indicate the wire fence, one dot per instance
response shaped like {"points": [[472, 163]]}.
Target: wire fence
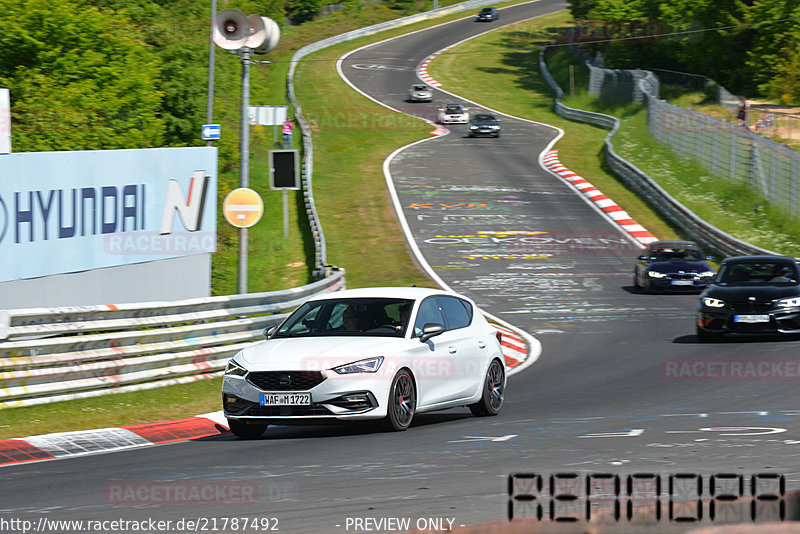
{"points": [[733, 152]]}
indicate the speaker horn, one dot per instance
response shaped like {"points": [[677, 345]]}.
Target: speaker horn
{"points": [[271, 35], [231, 29]]}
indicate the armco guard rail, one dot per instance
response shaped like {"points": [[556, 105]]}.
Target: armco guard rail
{"points": [[710, 237], [321, 261], [51, 354]]}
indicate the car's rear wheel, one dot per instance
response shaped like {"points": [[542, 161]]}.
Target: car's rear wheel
{"points": [[707, 337], [402, 402], [245, 431], [493, 391]]}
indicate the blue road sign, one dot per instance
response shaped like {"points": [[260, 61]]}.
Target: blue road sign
{"points": [[210, 131]]}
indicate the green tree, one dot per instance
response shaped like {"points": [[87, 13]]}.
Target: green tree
{"points": [[79, 77], [775, 53]]}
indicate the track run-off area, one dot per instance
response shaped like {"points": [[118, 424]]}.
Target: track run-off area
{"points": [[621, 385]]}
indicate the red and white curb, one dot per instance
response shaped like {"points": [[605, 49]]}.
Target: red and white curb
{"points": [[515, 349], [422, 70], [605, 204], [83, 442]]}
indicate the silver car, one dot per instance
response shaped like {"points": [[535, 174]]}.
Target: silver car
{"points": [[420, 93], [367, 354]]}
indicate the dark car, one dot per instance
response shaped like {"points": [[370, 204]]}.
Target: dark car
{"points": [[487, 14], [484, 124], [672, 266], [751, 295]]}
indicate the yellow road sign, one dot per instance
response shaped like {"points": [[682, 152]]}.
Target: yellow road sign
{"points": [[243, 207]]}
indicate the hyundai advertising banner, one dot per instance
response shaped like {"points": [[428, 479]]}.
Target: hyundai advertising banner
{"points": [[63, 212]]}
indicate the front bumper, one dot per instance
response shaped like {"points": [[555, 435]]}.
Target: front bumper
{"points": [[453, 119], [783, 321], [677, 285], [338, 397]]}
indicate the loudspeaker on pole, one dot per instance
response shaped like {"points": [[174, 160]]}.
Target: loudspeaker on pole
{"points": [[231, 29]]}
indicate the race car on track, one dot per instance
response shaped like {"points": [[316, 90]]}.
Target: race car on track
{"points": [[420, 93], [672, 266], [484, 124], [453, 114], [751, 295], [487, 14], [367, 354]]}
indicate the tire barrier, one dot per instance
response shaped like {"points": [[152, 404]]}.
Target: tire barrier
{"points": [[52, 354]]}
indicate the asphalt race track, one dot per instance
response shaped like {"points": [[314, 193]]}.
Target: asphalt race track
{"points": [[621, 387]]}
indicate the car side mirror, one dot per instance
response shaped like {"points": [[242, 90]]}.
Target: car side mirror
{"points": [[430, 330], [268, 331]]}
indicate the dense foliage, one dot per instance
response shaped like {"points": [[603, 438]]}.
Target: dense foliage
{"points": [[735, 42], [106, 74]]}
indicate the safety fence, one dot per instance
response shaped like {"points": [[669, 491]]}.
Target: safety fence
{"points": [[52, 354], [710, 237], [321, 261], [732, 152]]}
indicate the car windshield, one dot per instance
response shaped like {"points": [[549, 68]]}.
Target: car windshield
{"points": [[676, 254], [383, 317], [483, 118], [419, 88], [486, 10], [758, 274]]}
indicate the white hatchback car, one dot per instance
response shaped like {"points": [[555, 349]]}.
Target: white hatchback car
{"points": [[453, 114], [367, 354]]}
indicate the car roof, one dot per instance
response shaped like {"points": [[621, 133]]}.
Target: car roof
{"points": [[416, 293], [755, 259], [674, 244]]}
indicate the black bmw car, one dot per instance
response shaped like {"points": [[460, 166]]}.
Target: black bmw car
{"points": [[672, 266], [751, 295], [484, 124]]}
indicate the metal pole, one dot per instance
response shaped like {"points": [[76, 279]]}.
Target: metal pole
{"points": [[211, 54], [285, 213], [244, 164]]}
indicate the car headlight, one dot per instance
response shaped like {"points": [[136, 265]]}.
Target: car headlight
{"points": [[654, 274], [790, 302], [234, 369], [370, 365], [494, 127], [713, 303], [473, 127], [707, 274]]}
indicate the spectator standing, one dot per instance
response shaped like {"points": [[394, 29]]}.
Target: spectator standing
{"points": [[287, 134]]}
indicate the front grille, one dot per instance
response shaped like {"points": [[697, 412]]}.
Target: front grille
{"points": [[285, 380], [682, 276]]}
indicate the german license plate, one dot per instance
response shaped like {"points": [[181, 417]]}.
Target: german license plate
{"points": [[682, 282], [751, 318], [285, 399]]}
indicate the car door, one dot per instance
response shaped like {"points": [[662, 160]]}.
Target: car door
{"points": [[466, 346], [434, 363]]}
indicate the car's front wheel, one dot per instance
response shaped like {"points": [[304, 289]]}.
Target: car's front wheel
{"points": [[245, 431], [402, 402], [493, 391]]}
